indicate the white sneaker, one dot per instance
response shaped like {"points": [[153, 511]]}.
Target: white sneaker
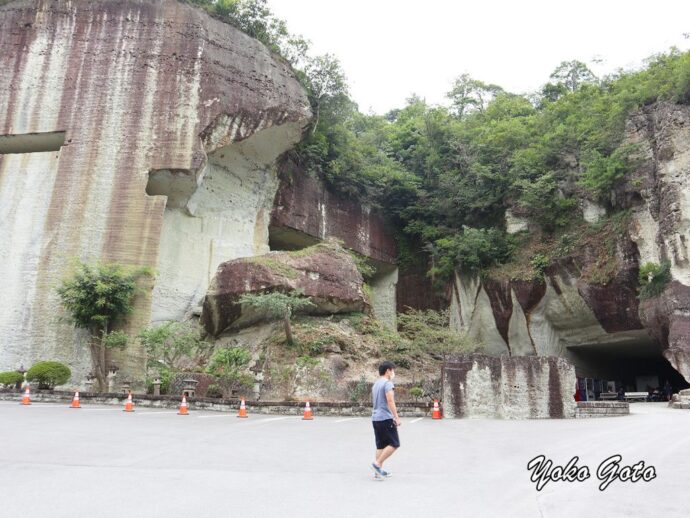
{"points": [[378, 472]]}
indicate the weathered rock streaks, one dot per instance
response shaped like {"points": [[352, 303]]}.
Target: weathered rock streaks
{"points": [[137, 86], [566, 309]]}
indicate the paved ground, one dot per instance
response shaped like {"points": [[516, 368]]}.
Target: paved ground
{"points": [[99, 461]]}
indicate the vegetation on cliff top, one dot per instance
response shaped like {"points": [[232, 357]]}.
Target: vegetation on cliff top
{"points": [[445, 175]]}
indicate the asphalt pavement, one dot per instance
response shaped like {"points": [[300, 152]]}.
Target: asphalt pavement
{"points": [[99, 461]]}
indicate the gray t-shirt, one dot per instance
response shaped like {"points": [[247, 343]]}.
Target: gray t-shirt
{"points": [[378, 397]]}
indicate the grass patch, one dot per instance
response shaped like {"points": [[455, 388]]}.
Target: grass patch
{"points": [[277, 267], [592, 247]]}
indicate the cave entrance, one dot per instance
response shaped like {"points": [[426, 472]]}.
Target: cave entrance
{"points": [[634, 366]]}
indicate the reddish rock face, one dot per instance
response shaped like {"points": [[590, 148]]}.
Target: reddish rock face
{"points": [[414, 290], [668, 318], [324, 272], [303, 204], [615, 304], [501, 304]]}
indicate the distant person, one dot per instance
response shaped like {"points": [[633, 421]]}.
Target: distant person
{"points": [[385, 419], [621, 393], [668, 391]]}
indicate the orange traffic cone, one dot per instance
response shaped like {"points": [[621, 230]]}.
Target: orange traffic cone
{"points": [[129, 405], [183, 406], [26, 400], [436, 412], [243, 410], [75, 401], [308, 416]]}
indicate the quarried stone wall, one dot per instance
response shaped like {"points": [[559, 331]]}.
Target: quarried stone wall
{"points": [[306, 211], [520, 387], [161, 112]]}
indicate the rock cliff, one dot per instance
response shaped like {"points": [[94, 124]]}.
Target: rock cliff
{"points": [[306, 211], [586, 302], [142, 132]]}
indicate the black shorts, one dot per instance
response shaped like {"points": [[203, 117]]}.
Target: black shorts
{"points": [[386, 434]]}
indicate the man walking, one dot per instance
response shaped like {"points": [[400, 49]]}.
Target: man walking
{"points": [[385, 419]]}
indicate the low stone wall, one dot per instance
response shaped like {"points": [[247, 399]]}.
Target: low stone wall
{"points": [[681, 400], [602, 409], [219, 405], [518, 387]]}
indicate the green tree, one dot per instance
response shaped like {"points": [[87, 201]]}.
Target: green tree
{"points": [[572, 75], [468, 95], [543, 202], [170, 345], [278, 305], [603, 172], [326, 86], [97, 298], [473, 250], [256, 19]]}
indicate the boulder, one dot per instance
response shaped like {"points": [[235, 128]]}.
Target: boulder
{"points": [[325, 272]]}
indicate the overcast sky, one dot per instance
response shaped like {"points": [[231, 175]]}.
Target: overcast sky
{"points": [[393, 48]]}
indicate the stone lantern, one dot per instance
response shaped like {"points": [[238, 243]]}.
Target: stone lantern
{"points": [[89, 382], [112, 372], [157, 387], [21, 370], [189, 387]]}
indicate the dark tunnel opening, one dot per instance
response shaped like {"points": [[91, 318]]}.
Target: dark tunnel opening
{"points": [[635, 367]]}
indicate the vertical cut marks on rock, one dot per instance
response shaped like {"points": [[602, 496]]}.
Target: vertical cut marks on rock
{"points": [[170, 71], [477, 385], [222, 218]]}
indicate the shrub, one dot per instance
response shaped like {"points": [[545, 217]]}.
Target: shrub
{"points": [[228, 366], [11, 379], [540, 262], [173, 345], [358, 392], [214, 390], [429, 331], [416, 392], [49, 374], [472, 250], [653, 279]]}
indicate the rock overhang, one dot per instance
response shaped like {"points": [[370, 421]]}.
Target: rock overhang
{"points": [[135, 89]]}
